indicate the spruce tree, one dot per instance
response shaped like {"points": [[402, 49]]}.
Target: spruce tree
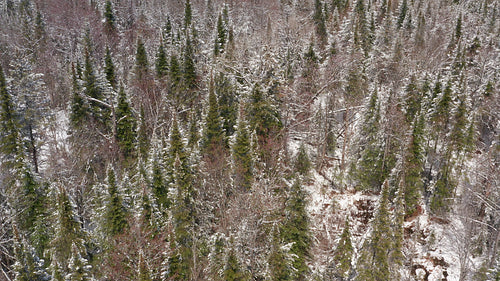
{"points": [[144, 274], [264, 118], [373, 263], [143, 140], [79, 108], [141, 61], [28, 266], [9, 133], [220, 39], [280, 269], [302, 163], [188, 15], [233, 271], [402, 13], [188, 67], [109, 68], [183, 209], [78, 267], [109, 17], [344, 252], [213, 135], [413, 168], [369, 169], [242, 156], [160, 189], [443, 191], [99, 113], [125, 126], [161, 62], [296, 230], [115, 216], [227, 103]]}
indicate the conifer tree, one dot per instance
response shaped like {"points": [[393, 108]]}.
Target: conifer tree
{"points": [[109, 68], [141, 61], [413, 100], [302, 163], [296, 230], [459, 130], [443, 191], [319, 20], [161, 62], [220, 39], [265, 120], [125, 126], [144, 274], [370, 167], [115, 215], [92, 90], [344, 252], [79, 109], [175, 78], [213, 134], [66, 233], [373, 263], [413, 168], [183, 212], [233, 271], [193, 131], [188, 67], [242, 156], [402, 13], [109, 17], [227, 103], [79, 267], [28, 266], [142, 136], [280, 269], [188, 15], [160, 189], [9, 133]]}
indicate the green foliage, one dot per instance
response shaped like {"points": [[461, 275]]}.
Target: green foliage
{"points": [[160, 189], [264, 118], [188, 15], [413, 100], [302, 163], [109, 68], [9, 132], [344, 252], [280, 269], [233, 271], [79, 268], [125, 126], [142, 136], [220, 39], [296, 230], [183, 209], [98, 111], [161, 62], [459, 132], [458, 28], [109, 16], [141, 61], [443, 191], [319, 20], [28, 266], [370, 168], [373, 263], [214, 137], [115, 217], [413, 168], [188, 67], [227, 103], [242, 155], [144, 274], [402, 13]]}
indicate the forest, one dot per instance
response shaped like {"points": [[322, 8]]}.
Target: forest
{"points": [[250, 140]]}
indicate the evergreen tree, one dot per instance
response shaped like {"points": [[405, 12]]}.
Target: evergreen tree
{"points": [[413, 168], [458, 28], [161, 62], [279, 266], [302, 163], [369, 170], [92, 90], [242, 156], [141, 61], [125, 126], [109, 17], [220, 39], [413, 100], [373, 263], [443, 191], [79, 267], [188, 15], [459, 130], [344, 252], [227, 104], [144, 274], [115, 217], [213, 138], [9, 133], [319, 20], [233, 271], [28, 266], [160, 189], [193, 131], [66, 233], [296, 230], [175, 79], [402, 13], [183, 212], [188, 67], [109, 68], [265, 120]]}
